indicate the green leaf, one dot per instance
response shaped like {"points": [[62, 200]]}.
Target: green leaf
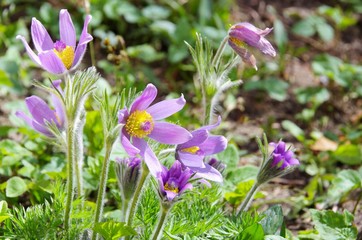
{"points": [[304, 28], [315, 95], [113, 230], [296, 131], [4, 211], [273, 219], [242, 189], [280, 34], [11, 152], [334, 226], [230, 156], [155, 12], [144, 52], [345, 181], [325, 32], [254, 232], [15, 187], [4, 79], [349, 154], [277, 89]]}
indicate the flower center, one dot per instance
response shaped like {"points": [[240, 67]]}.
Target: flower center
{"points": [[65, 53], [139, 124], [192, 150], [237, 42], [171, 187]]}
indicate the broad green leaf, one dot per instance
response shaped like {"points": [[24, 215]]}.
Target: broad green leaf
{"points": [[155, 12], [296, 131], [113, 230], [4, 79], [11, 152], [316, 95], [345, 181], [277, 89], [334, 226], [242, 189], [4, 211], [273, 219], [349, 154], [230, 156], [241, 173], [325, 32], [15, 187], [280, 34], [254, 232], [145, 53]]}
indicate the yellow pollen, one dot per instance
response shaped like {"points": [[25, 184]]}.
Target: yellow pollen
{"points": [[139, 124], [66, 55], [237, 42], [192, 150], [171, 188]]}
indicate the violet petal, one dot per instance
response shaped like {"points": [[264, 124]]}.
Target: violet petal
{"points": [[169, 133], [66, 29], [51, 62], [40, 36], [166, 108]]}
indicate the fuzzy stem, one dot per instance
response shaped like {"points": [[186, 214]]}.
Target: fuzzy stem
{"points": [[249, 197], [102, 186], [137, 194], [79, 156], [70, 175], [165, 208], [125, 204], [216, 60]]}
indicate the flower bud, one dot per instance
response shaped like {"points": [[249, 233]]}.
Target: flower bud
{"points": [[128, 171]]}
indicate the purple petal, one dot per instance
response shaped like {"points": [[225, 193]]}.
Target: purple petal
{"points": [[58, 104], [41, 39], [123, 115], [40, 110], [127, 145], [265, 47], [30, 52], [166, 108], [32, 123], [198, 137], [245, 35], [66, 29], [208, 173], [85, 38], [280, 148], [214, 144], [147, 97], [191, 160], [293, 161], [170, 195], [51, 62], [210, 127], [245, 55], [169, 133], [185, 187], [149, 156]]}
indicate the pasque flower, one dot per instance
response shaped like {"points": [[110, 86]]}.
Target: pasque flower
{"points": [[192, 153], [245, 34], [143, 120], [128, 171], [42, 113], [281, 156], [174, 181], [62, 55]]}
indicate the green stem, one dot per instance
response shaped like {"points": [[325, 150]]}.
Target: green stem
{"points": [[102, 186], [245, 204], [78, 171], [218, 54], [161, 221], [125, 203], [70, 177], [357, 202], [137, 194]]}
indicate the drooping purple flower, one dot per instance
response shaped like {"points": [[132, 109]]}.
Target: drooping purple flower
{"points": [[282, 157], [42, 113], [63, 55], [243, 34], [173, 182], [143, 120], [192, 153]]}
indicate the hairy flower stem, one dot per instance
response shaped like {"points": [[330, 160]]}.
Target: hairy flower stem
{"points": [[165, 209], [216, 60], [70, 175], [102, 185], [249, 197], [79, 156], [137, 194]]}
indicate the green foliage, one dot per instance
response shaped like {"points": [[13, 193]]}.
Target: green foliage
{"points": [[350, 154], [332, 226], [276, 89], [242, 189], [111, 230], [15, 187], [314, 25], [273, 219]]}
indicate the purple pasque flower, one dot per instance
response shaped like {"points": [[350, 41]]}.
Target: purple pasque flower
{"points": [[192, 153], [42, 113], [173, 182], [63, 55], [143, 120], [282, 158], [243, 34], [128, 171]]}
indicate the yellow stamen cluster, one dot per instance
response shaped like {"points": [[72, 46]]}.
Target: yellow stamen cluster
{"points": [[139, 124], [66, 55], [237, 42], [192, 150], [171, 188]]}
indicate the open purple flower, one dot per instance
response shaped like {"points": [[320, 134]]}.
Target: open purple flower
{"points": [[243, 34], [143, 120], [63, 55], [192, 153], [281, 157], [173, 182], [42, 113]]}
